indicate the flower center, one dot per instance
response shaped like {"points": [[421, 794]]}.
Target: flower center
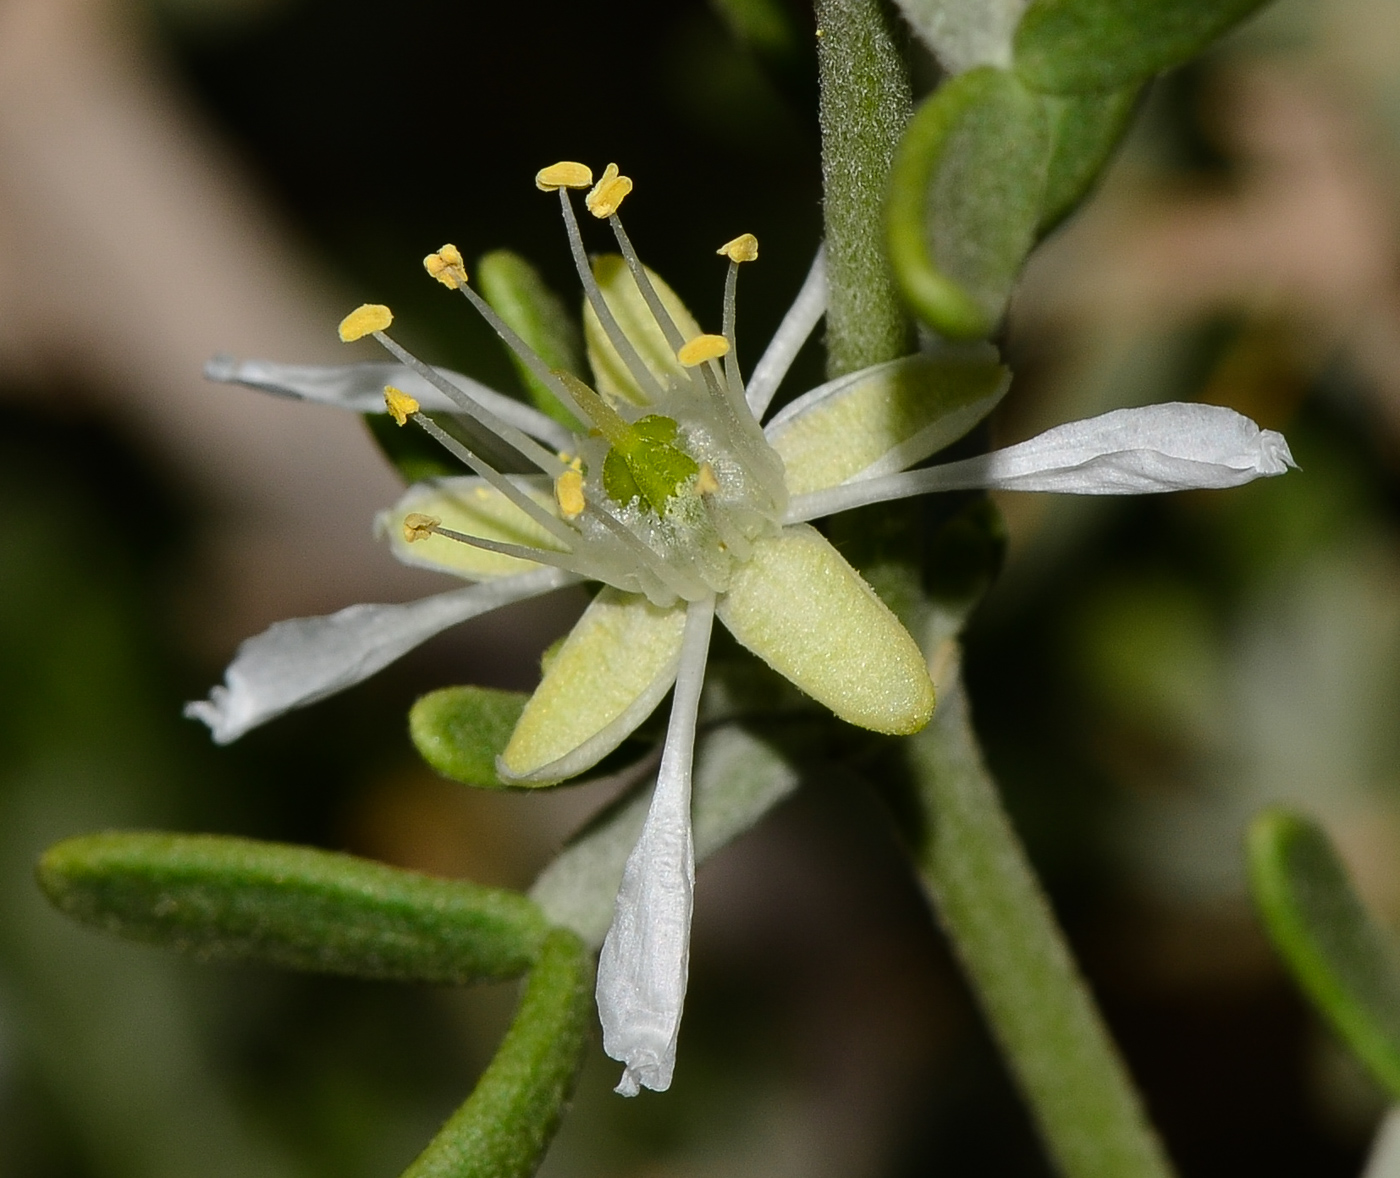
{"points": [[661, 496]]}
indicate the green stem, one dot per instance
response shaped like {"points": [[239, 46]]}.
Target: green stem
{"points": [[865, 103], [1001, 927]]}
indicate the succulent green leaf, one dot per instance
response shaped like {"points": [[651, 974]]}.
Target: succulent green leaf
{"points": [[616, 665], [804, 611], [460, 731], [883, 419], [505, 1126], [470, 505], [520, 296], [1084, 130], [1077, 46], [633, 315], [1343, 961], [649, 468], [230, 899], [965, 199]]}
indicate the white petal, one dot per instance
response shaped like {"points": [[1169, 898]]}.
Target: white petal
{"points": [[804, 314], [1171, 447], [360, 388], [644, 965], [886, 417], [302, 660], [474, 507]]}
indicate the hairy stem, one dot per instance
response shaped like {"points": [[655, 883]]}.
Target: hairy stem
{"points": [[865, 104], [1041, 1012]]}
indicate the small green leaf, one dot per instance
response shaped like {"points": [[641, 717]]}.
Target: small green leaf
{"points": [[1343, 961], [460, 731], [505, 1126], [519, 295], [966, 194], [229, 899], [1076, 46], [1084, 130]]}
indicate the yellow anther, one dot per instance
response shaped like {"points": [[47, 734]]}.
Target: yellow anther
{"points": [[606, 196], [363, 320], [702, 348], [417, 526], [568, 493], [565, 174], [447, 267], [401, 405], [743, 248], [705, 481]]}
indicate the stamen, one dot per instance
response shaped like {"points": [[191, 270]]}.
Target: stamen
{"points": [[705, 481], [522, 442], [558, 560], [401, 405], [644, 284], [702, 348], [608, 194], [417, 526], [447, 267], [743, 248], [731, 288], [557, 528], [640, 372], [565, 174], [568, 493], [363, 320]]}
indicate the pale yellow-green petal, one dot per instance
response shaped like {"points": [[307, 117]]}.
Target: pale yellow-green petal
{"points": [[615, 666], [808, 614], [473, 506], [884, 418], [634, 317]]}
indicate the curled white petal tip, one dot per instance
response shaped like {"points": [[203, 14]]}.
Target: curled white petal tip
{"points": [[1274, 455], [220, 713], [220, 368]]}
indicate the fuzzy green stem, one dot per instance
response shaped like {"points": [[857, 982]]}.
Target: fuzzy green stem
{"points": [[1003, 931], [865, 103]]}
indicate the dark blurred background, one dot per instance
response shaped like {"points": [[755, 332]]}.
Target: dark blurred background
{"points": [[191, 176]]}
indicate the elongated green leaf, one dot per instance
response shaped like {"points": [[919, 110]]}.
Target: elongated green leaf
{"points": [[506, 1124], [227, 899], [460, 731], [520, 296], [1345, 963], [1076, 46], [1084, 130], [965, 198]]}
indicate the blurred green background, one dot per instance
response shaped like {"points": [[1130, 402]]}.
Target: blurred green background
{"points": [[199, 175]]}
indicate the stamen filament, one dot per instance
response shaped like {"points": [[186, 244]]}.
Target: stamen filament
{"points": [[640, 372], [558, 560], [653, 562], [556, 527], [611, 424], [731, 358], [526, 445], [673, 334]]}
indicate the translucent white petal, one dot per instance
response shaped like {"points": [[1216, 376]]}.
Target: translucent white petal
{"points": [[473, 506], [616, 665], [633, 315], [1171, 447], [302, 660], [644, 965], [884, 418], [804, 314], [360, 388], [804, 611]]}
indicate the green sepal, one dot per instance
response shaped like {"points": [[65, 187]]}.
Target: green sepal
{"points": [[460, 731], [1084, 131], [520, 296], [505, 1126], [1077, 46], [1344, 962], [415, 455], [966, 194], [231, 899]]}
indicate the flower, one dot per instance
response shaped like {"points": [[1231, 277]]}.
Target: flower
{"points": [[686, 509]]}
